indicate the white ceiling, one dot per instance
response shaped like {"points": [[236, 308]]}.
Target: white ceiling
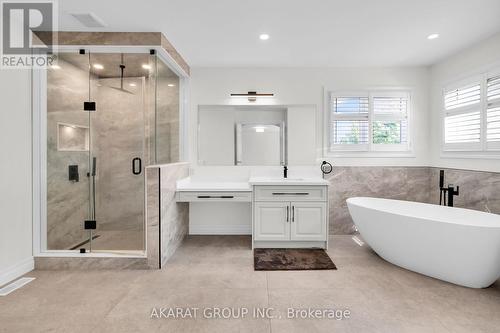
{"points": [[310, 33]]}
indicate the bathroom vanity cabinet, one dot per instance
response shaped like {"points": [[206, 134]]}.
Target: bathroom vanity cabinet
{"points": [[290, 216], [277, 212]]}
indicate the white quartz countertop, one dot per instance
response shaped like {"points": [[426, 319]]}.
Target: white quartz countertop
{"points": [[287, 181], [187, 184]]}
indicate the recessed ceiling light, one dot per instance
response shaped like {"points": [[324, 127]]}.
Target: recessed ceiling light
{"points": [[98, 66], [264, 36], [132, 84], [433, 36], [146, 66], [171, 85]]}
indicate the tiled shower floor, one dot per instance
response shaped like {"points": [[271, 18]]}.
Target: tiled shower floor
{"points": [[217, 271]]}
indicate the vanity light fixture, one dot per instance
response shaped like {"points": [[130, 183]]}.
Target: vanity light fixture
{"points": [[98, 66], [252, 95], [171, 85], [146, 66]]}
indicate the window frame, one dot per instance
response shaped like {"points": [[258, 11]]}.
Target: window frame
{"points": [[370, 149], [483, 148], [490, 146]]}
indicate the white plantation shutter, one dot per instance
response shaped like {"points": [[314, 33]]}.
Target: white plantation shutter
{"points": [[390, 121], [462, 122], [369, 121], [390, 105], [463, 128], [464, 96], [493, 113], [350, 129]]}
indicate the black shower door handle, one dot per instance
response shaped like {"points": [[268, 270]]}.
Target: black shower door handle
{"points": [[136, 167]]}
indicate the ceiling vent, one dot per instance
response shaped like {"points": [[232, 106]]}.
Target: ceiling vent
{"points": [[90, 20]]}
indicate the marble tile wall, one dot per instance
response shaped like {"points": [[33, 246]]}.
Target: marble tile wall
{"points": [[478, 190], [404, 183], [167, 220], [174, 216], [153, 216], [114, 38]]}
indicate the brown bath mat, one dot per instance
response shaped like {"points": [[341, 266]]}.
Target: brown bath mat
{"points": [[291, 259]]}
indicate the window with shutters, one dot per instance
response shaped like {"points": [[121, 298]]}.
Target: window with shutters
{"points": [[462, 121], [472, 115], [493, 113], [369, 121]]}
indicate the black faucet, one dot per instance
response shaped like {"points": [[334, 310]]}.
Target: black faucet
{"points": [[442, 190], [285, 171], [451, 193]]}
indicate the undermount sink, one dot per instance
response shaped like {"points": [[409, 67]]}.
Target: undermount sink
{"points": [[281, 179]]}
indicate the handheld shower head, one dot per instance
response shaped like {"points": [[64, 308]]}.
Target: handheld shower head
{"points": [[94, 166]]}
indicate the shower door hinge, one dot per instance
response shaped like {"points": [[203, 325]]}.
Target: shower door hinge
{"points": [[90, 225], [88, 106]]}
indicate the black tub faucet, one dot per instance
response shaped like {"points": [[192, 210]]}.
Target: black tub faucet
{"points": [[451, 193], [285, 171], [442, 190]]}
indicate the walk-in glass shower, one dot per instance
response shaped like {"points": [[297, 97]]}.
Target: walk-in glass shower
{"points": [[108, 116]]}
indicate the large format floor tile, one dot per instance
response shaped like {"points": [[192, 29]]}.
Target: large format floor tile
{"points": [[210, 272]]}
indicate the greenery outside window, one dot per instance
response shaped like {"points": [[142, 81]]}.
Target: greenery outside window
{"points": [[369, 121]]}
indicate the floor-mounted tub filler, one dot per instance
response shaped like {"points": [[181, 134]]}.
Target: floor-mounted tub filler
{"points": [[457, 245]]}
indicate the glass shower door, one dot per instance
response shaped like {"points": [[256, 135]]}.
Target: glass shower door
{"points": [[118, 85], [101, 130]]}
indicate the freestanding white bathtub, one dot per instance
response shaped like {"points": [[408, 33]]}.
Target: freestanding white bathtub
{"points": [[457, 245]]}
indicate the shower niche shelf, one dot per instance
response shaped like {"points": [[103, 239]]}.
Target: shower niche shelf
{"points": [[72, 137]]}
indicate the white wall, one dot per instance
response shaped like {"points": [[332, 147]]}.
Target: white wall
{"points": [[473, 60], [15, 174], [305, 86]]}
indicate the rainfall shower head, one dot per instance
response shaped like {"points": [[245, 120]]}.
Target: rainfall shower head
{"points": [[122, 70]]}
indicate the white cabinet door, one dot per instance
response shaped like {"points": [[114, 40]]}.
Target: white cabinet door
{"points": [[308, 221], [272, 221]]}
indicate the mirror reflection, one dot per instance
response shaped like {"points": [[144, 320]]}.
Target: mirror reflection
{"points": [[259, 144], [242, 135]]}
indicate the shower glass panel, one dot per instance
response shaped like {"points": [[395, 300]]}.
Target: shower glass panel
{"points": [[68, 152], [167, 115], [96, 158]]}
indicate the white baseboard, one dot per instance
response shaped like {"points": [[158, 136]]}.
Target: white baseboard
{"points": [[16, 270], [220, 230]]}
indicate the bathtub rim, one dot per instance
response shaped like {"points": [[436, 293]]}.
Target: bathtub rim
{"points": [[355, 201]]}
